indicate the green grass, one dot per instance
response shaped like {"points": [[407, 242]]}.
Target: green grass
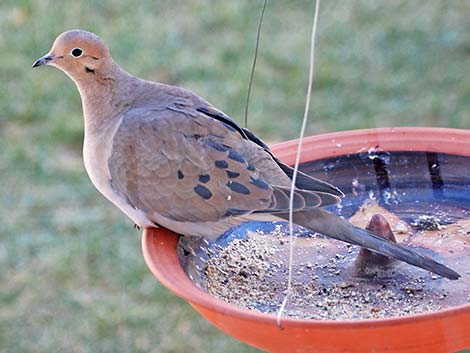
{"points": [[71, 272]]}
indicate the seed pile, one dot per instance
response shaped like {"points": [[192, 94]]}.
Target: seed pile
{"points": [[252, 273]]}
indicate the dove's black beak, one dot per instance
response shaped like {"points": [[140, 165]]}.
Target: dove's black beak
{"points": [[44, 60]]}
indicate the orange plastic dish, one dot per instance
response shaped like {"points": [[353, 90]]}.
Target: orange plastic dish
{"points": [[445, 331]]}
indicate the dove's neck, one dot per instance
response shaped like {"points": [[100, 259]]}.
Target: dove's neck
{"points": [[105, 96]]}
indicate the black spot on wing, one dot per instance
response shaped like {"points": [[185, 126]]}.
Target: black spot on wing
{"points": [[259, 183], [237, 187], [217, 146], [221, 164], [202, 191], [234, 155], [250, 167], [204, 178], [180, 174], [232, 175]]}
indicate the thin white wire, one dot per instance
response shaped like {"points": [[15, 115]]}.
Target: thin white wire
{"points": [[253, 66], [297, 161]]}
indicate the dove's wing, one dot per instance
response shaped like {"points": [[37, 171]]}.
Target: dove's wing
{"points": [[189, 166]]}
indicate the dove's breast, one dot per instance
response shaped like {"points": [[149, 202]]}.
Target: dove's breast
{"points": [[97, 149]]}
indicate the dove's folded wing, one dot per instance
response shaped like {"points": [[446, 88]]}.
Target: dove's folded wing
{"points": [[190, 167]]}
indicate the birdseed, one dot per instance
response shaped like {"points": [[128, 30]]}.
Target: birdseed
{"points": [[251, 272]]}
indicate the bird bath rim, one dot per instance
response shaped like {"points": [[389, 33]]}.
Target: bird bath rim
{"points": [[162, 241], [160, 245]]}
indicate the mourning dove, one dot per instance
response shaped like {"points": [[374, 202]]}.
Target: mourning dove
{"points": [[166, 157]]}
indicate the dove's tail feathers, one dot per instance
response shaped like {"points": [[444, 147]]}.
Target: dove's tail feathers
{"points": [[303, 200], [332, 226]]}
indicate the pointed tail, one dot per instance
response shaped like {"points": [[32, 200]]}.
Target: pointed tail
{"points": [[328, 224]]}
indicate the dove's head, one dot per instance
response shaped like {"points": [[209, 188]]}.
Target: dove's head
{"points": [[80, 54]]}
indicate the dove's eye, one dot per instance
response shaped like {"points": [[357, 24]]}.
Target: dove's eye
{"points": [[76, 52]]}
